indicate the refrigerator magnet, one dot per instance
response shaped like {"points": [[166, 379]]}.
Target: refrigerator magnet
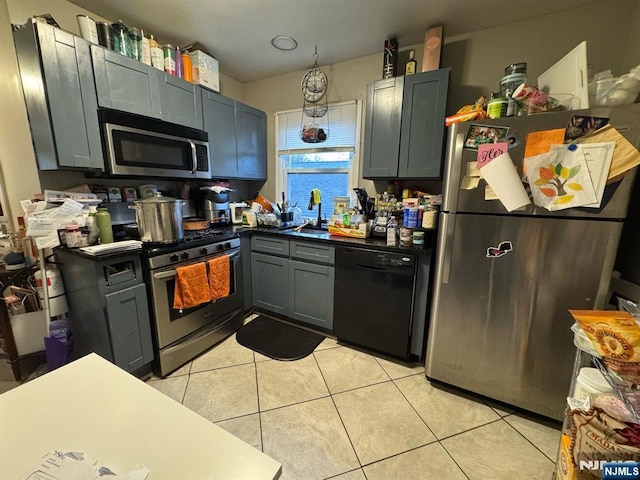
{"points": [[480, 134], [502, 249]]}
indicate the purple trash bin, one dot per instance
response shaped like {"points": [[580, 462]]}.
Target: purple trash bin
{"points": [[59, 352]]}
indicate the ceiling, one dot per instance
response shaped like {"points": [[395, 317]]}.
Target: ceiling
{"points": [[239, 32]]}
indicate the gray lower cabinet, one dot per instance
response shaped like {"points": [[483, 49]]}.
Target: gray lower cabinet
{"points": [[311, 293], [293, 278], [270, 282], [129, 327], [60, 96], [404, 126], [109, 309], [125, 84], [237, 138]]}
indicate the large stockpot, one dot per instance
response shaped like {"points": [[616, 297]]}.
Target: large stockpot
{"points": [[159, 219]]}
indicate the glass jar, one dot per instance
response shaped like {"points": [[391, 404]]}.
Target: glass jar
{"points": [[430, 217], [121, 40], [136, 43]]}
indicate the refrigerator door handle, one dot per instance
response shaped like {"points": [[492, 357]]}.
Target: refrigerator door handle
{"points": [[451, 179], [447, 225]]}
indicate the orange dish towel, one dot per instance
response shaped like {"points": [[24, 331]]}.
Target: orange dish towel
{"points": [[192, 287], [219, 276]]}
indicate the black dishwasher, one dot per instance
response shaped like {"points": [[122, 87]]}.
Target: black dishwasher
{"points": [[373, 299]]}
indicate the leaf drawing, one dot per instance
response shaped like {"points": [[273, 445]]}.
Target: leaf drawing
{"points": [[558, 169], [575, 186], [573, 171], [548, 192], [540, 182], [546, 173], [564, 173], [564, 199]]}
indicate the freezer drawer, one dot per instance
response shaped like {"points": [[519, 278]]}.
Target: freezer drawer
{"points": [[499, 321]]}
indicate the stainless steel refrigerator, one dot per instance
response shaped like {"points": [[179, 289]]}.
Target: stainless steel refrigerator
{"points": [[499, 325]]}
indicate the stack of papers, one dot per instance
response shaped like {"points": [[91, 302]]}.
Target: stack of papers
{"points": [[112, 247]]}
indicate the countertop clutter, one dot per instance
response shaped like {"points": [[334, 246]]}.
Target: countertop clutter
{"points": [[91, 406]]}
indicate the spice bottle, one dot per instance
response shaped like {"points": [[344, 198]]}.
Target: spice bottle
{"points": [[410, 67], [103, 220], [179, 69], [187, 67], [157, 55], [146, 49]]}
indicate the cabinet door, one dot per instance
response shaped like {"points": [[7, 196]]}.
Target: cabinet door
{"points": [[181, 101], [382, 128], [129, 327], [126, 84], [252, 142], [270, 282], [422, 136], [311, 297], [71, 97], [219, 115]]}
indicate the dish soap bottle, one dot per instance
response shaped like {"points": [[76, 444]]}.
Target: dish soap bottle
{"points": [[103, 220], [410, 67]]}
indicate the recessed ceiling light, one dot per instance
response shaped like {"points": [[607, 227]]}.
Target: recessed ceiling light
{"points": [[282, 42]]}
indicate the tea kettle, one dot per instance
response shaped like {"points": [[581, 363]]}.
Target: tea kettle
{"points": [[236, 212]]}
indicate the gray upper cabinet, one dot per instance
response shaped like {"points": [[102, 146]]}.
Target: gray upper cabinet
{"points": [[181, 101], [252, 142], [219, 114], [382, 128], [237, 138], [126, 84], [58, 85], [404, 126]]}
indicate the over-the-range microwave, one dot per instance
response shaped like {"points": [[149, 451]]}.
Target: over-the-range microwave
{"points": [[143, 146]]}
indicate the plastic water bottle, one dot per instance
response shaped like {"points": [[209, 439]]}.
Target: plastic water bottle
{"points": [[392, 229], [92, 226]]}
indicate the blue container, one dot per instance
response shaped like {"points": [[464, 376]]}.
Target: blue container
{"points": [[410, 219]]}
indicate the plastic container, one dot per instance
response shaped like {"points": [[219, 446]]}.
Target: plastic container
{"points": [[72, 235], [92, 226], [392, 229], [610, 92], [410, 219], [590, 381], [508, 85]]}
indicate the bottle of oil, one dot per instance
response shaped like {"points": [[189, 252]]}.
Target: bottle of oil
{"points": [[410, 66]]}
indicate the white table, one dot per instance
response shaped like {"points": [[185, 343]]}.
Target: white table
{"points": [[94, 407]]}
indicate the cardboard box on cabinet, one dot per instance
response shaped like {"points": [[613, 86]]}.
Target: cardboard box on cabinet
{"points": [[205, 70]]}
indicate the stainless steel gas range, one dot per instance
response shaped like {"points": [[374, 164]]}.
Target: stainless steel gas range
{"points": [[181, 335]]}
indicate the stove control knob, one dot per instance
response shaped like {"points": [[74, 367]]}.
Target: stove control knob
{"points": [[227, 245], [219, 247], [174, 258], [184, 256], [203, 251]]}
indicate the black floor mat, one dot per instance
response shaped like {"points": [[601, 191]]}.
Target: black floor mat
{"points": [[277, 340]]}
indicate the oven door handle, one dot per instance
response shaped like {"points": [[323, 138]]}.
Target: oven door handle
{"points": [[172, 273]]}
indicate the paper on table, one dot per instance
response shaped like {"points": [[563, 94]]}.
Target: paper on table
{"points": [[503, 178], [560, 179], [625, 155], [598, 157]]}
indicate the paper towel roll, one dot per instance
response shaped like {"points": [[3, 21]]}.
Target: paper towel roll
{"points": [[502, 176]]}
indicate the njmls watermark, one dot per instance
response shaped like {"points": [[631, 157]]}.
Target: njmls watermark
{"points": [[613, 470]]}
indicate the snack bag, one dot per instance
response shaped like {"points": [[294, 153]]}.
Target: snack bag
{"points": [[615, 337]]}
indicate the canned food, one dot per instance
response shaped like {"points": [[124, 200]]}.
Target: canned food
{"points": [[169, 59]]}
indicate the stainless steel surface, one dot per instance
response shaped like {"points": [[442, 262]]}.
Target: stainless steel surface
{"points": [[153, 169], [192, 253], [159, 219], [624, 118], [172, 325], [500, 326]]}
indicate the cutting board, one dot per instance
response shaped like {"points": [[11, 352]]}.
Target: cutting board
{"points": [[568, 76]]}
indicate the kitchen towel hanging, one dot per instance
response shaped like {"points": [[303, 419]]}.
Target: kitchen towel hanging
{"points": [[192, 287], [219, 284]]}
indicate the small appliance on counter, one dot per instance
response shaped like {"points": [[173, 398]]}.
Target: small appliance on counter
{"points": [[213, 206], [236, 212]]}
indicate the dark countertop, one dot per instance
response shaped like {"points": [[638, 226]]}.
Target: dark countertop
{"points": [[375, 243]]}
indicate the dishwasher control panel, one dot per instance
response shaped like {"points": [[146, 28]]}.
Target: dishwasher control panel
{"points": [[395, 260]]}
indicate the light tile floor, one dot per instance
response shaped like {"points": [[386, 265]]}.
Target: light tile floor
{"points": [[347, 415]]}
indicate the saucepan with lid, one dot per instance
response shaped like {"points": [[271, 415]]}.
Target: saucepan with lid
{"points": [[159, 219]]}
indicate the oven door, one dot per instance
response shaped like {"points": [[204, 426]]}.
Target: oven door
{"points": [[171, 324]]}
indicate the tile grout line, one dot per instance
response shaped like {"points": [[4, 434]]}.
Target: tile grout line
{"points": [[453, 459], [353, 448], [534, 445], [416, 411], [255, 369]]}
